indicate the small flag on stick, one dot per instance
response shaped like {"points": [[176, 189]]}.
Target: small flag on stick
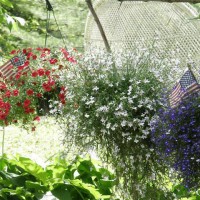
{"points": [[187, 86], [11, 67]]}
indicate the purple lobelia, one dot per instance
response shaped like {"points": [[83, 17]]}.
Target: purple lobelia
{"points": [[176, 135]]}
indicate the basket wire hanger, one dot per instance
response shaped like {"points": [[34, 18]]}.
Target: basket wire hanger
{"points": [[49, 10]]}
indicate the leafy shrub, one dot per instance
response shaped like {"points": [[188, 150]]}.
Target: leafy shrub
{"points": [[21, 178]]}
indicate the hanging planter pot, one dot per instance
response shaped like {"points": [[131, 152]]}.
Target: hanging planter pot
{"points": [[43, 107]]}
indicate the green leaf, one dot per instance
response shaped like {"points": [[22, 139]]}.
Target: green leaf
{"points": [[6, 3], [20, 20], [88, 187], [37, 186], [31, 167], [61, 192]]}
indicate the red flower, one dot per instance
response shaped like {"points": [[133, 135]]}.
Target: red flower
{"points": [[63, 101], [47, 72], [18, 75], [72, 60], [34, 57], [29, 92], [13, 52], [53, 61], [37, 118], [51, 82], [29, 55], [20, 68], [2, 86], [41, 72], [26, 63], [39, 95], [29, 110], [16, 59], [8, 94], [15, 92], [39, 49], [34, 74], [19, 104], [24, 51], [46, 87], [61, 96], [27, 102]]}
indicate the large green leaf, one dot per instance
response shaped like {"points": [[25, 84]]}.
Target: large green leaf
{"points": [[90, 189], [6, 3], [31, 167], [60, 191]]}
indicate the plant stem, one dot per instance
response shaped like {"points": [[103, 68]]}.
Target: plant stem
{"points": [[2, 150]]}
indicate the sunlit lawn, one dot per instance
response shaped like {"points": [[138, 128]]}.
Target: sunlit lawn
{"points": [[42, 144]]}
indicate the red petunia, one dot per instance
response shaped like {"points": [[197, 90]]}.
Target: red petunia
{"points": [[61, 96], [39, 95], [20, 68], [15, 92], [2, 86], [26, 63], [16, 59], [46, 87], [29, 110], [27, 102], [8, 94], [13, 52], [51, 82], [47, 72], [19, 104], [37, 118], [34, 57], [18, 76], [41, 72], [34, 74], [29, 92], [53, 61]]}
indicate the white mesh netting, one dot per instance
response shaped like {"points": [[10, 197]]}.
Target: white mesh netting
{"points": [[170, 26]]}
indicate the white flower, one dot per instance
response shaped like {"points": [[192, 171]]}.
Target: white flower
{"points": [[86, 115], [136, 140], [138, 82], [146, 81], [123, 123], [134, 96], [110, 85], [108, 125], [95, 88]]}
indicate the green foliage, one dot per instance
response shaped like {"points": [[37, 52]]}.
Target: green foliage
{"points": [[70, 15], [21, 178]]}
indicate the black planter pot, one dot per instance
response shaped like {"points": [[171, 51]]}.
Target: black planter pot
{"points": [[43, 107]]}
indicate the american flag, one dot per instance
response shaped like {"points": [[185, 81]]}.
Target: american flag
{"points": [[10, 68], [187, 86]]}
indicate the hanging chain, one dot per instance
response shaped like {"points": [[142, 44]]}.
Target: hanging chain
{"points": [[50, 9]]}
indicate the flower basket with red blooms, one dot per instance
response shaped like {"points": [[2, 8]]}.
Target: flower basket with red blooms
{"points": [[36, 87]]}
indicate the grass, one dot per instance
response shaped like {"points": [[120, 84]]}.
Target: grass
{"points": [[42, 144]]}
